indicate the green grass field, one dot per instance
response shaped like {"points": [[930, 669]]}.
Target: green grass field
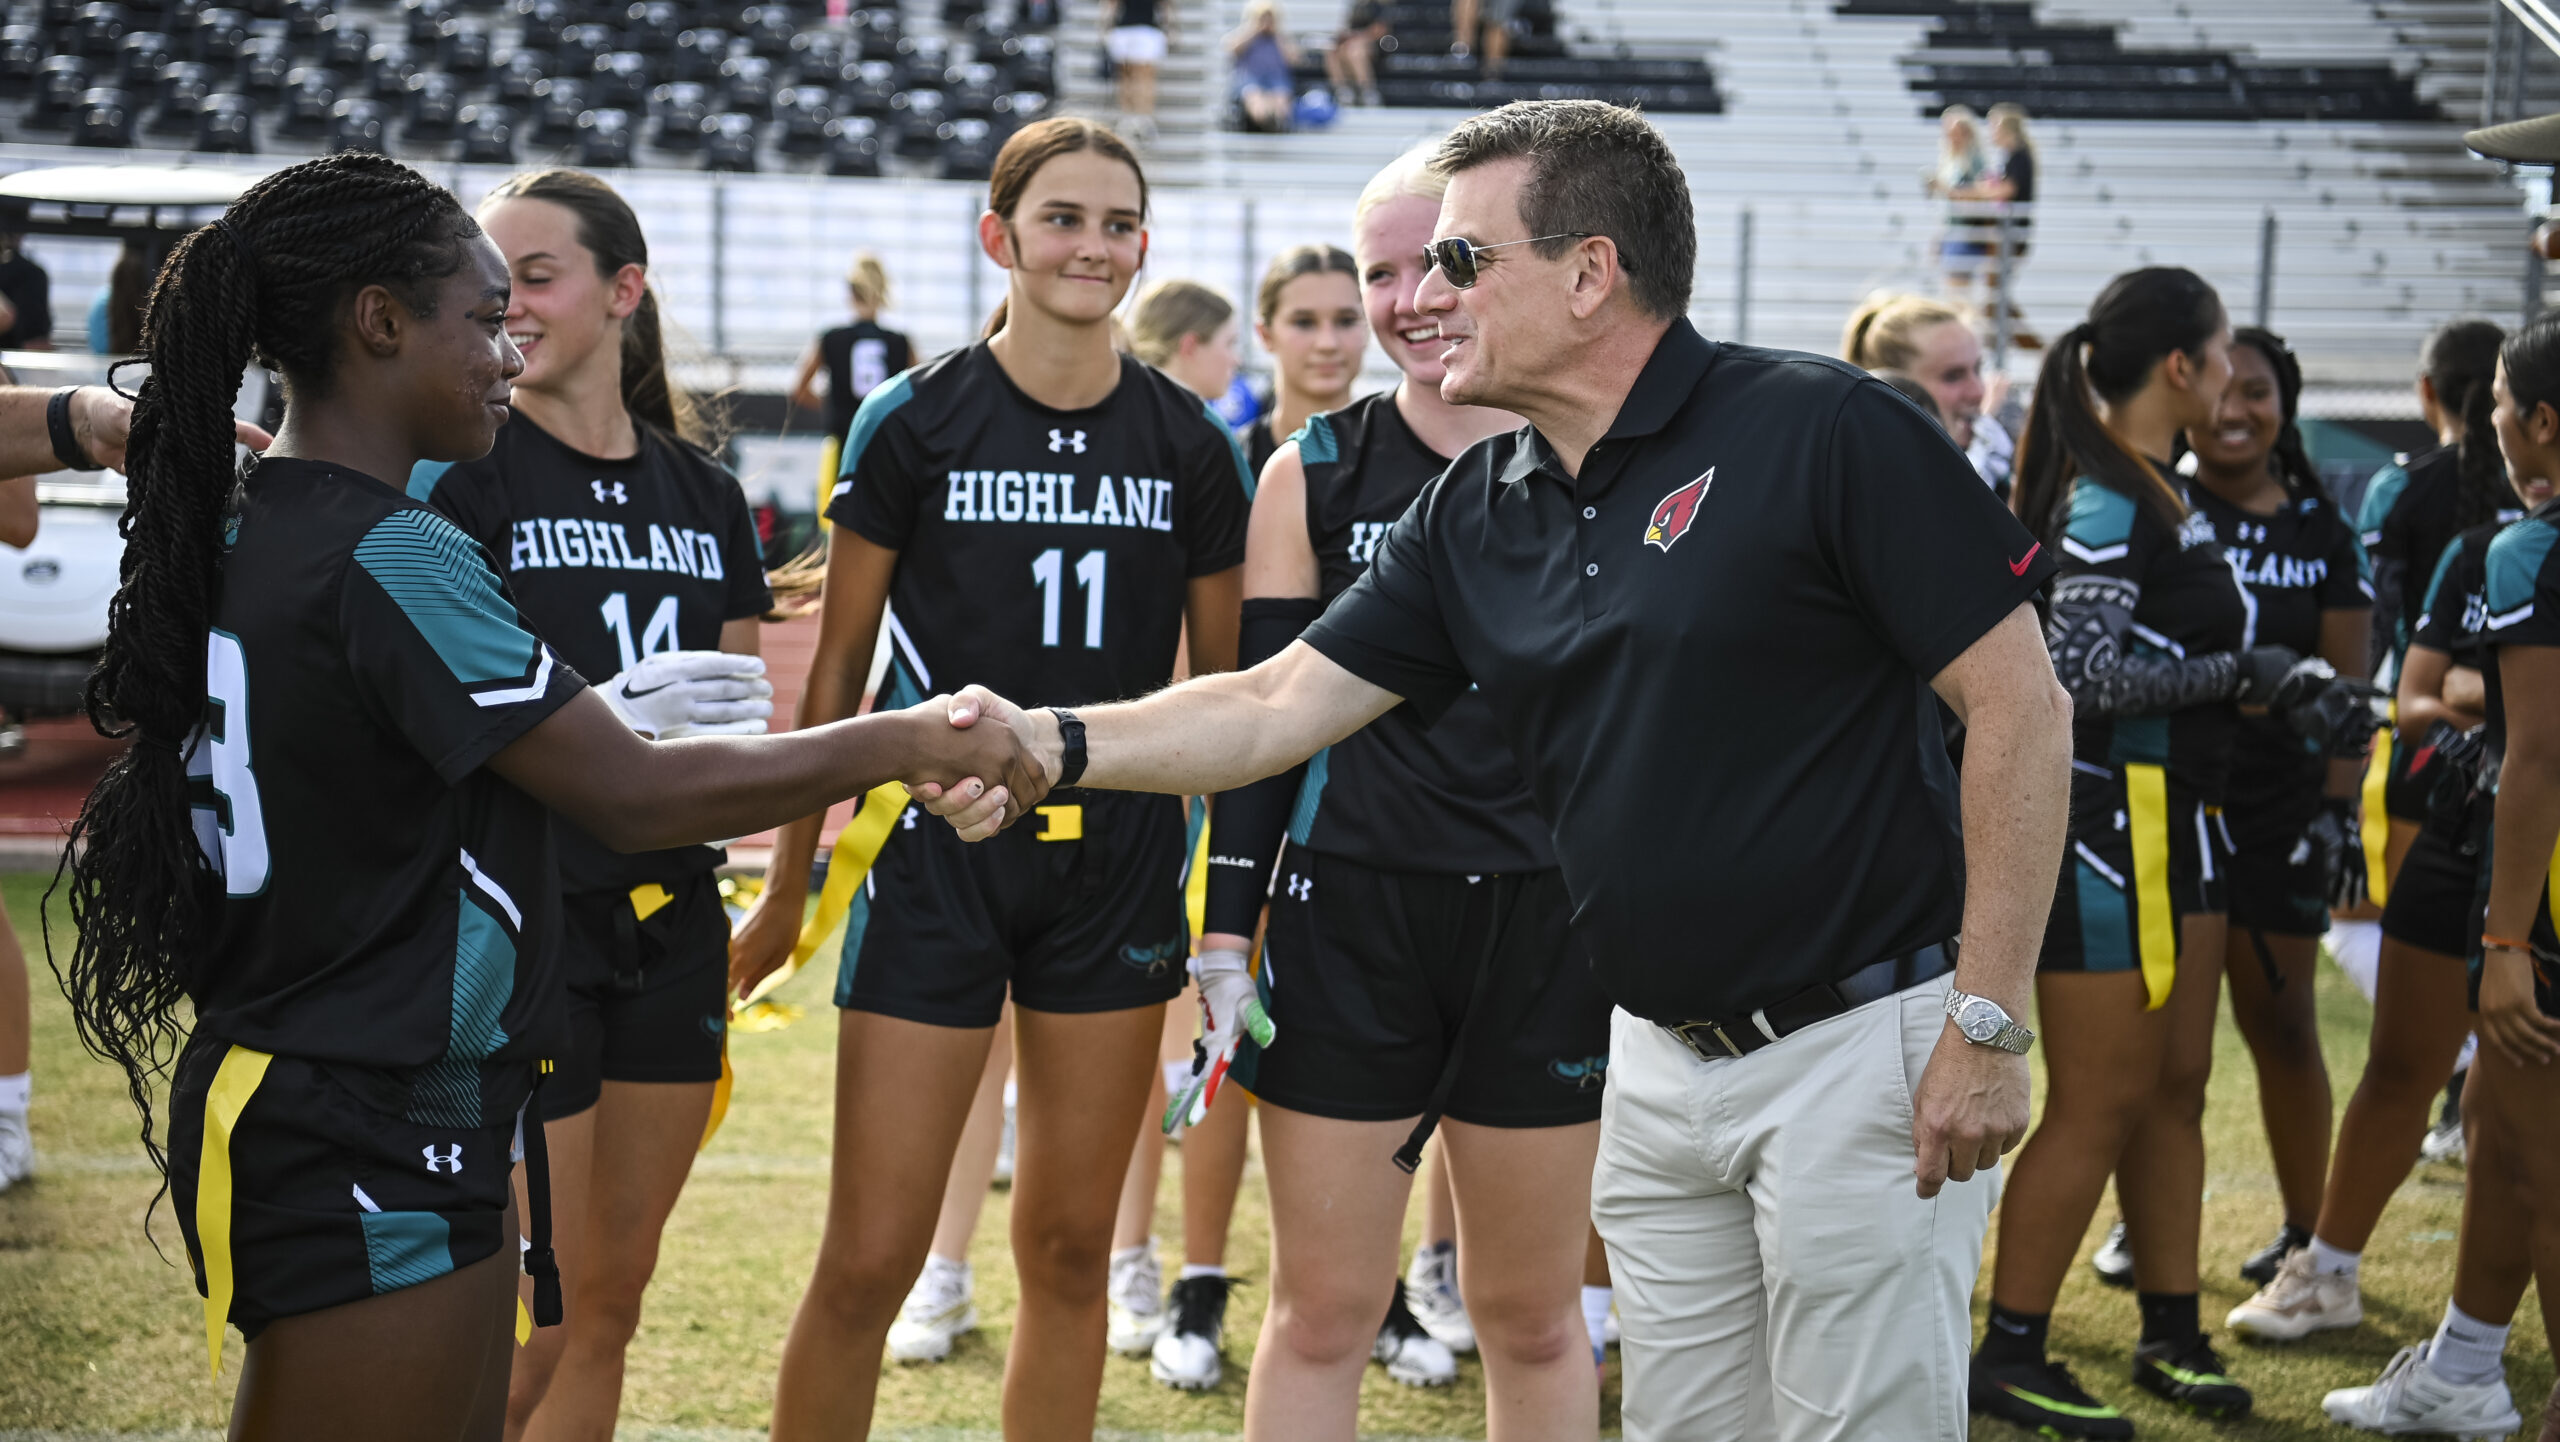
{"points": [[102, 1336]]}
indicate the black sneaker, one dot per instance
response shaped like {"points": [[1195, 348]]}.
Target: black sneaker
{"points": [[2190, 1374], [1186, 1353], [2262, 1268], [2043, 1397]]}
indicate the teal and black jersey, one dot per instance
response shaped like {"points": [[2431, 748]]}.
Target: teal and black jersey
{"points": [[2134, 592], [390, 905], [2456, 598], [1401, 793], [612, 560], [2411, 513], [1042, 553], [2520, 605]]}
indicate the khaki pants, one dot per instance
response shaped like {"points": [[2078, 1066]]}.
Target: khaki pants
{"points": [[1778, 1277]]}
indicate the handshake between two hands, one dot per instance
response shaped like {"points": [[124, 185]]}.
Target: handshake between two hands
{"points": [[982, 763]]}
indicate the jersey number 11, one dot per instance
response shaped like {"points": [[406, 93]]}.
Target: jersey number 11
{"points": [[1048, 572]]}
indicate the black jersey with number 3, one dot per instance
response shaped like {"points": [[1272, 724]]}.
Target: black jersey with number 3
{"points": [[390, 905], [1041, 553], [612, 560], [1401, 794]]}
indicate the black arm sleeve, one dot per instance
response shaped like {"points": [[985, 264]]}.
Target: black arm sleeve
{"points": [[2086, 633], [1246, 824]]}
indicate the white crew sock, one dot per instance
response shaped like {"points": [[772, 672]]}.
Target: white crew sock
{"points": [[953, 1263], [2356, 946], [2467, 1351], [2334, 1262], [1595, 1317], [13, 1092], [1140, 1250], [1192, 1269]]}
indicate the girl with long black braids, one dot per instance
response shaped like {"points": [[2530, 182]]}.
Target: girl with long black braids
{"points": [[329, 832], [2292, 806], [603, 446], [2149, 633]]}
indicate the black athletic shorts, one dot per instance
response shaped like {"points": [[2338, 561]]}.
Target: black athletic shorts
{"points": [[2277, 883], [2411, 778], [1076, 909], [331, 1201], [2435, 896], [1367, 974], [648, 995], [2169, 845]]}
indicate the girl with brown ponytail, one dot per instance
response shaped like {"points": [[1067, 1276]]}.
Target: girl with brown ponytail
{"points": [[329, 835], [598, 467]]}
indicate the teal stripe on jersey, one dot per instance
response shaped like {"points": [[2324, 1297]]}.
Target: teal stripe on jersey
{"points": [[898, 689], [884, 398], [435, 575], [2435, 583], [1195, 818], [406, 1248], [1235, 446], [423, 477], [1310, 796], [857, 920], [2380, 494], [2106, 920], [2099, 516], [2138, 740], [1317, 444], [446, 1091], [2515, 566]]}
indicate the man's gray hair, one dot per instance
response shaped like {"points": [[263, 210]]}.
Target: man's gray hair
{"points": [[1598, 168]]}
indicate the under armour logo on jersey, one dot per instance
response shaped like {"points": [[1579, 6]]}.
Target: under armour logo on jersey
{"points": [[451, 1161], [611, 493], [1064, 441], [1300, 886]]}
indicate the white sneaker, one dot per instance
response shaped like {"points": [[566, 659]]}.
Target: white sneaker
{"points": [[1412, 1355], [1431, 1290], [2300, 1301], [1187, 1356], [1136, 1293], [2410, 1399], [2443, 1145], [17, 1150], [938, 1309], [2113, 1261]]}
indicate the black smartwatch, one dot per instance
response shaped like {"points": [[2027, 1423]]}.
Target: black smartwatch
{"points": [[1071, 747], [66, 442]]}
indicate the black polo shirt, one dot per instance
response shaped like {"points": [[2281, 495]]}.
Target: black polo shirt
{"points": [[1711, 653]]}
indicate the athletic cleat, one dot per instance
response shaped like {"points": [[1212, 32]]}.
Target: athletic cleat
{"points": [[2044, 1398], [1136, 1294], [2261, 1268], [2443, 1144], [17, 1150], [2114, 1259], [938, 1309], [1187, 1355], [2190, 1374], [2300, 1301], [2410, 1399], [1431, 1290], [1412, 1355]]}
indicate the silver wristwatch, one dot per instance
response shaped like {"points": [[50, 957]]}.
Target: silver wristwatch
{"points": [[1985, 1022]]}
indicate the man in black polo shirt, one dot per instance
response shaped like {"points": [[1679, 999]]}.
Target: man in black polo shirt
{"points": [[1713, 596]]}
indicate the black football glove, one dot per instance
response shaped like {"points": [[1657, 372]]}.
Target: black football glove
{"points": [[2335, 842], [2336, 715], [2264, 672], [2458, 757]]}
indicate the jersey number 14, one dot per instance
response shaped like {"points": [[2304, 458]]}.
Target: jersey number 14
{"points": [[1048, 571], [659, 635]]}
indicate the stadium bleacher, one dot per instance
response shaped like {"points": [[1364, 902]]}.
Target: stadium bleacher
{"points": [[1416, 68], [702, 84]]}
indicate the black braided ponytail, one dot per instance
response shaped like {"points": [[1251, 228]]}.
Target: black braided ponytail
{"points": [[2293, 468], [2460, 360], [267, 281]]}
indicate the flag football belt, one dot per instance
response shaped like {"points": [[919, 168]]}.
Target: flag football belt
{"points": [[1717, 1040]]}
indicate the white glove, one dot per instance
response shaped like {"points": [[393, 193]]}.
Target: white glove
{"points": [[692, 693], [1230, 1007]]}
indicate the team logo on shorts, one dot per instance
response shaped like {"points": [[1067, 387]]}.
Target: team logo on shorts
{"points": [[1583, 1075], [449, 1161], [1154, 960], [714, 1024], [1671, 519]]}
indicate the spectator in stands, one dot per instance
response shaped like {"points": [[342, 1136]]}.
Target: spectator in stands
{"points": [[1135, 34], [856, 357], [1263, 56], [1933, 343], [2009, 181], [1352, 64], [1188, 331], [1960, 167], [1485, 21], [1309, 319], [115, 317], [26, 300]]}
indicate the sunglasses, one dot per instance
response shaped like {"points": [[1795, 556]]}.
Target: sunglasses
{"points": [[1456, 256]]}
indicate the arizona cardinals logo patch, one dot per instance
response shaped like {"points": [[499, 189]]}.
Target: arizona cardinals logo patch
{"points": [[1671, 519]]}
